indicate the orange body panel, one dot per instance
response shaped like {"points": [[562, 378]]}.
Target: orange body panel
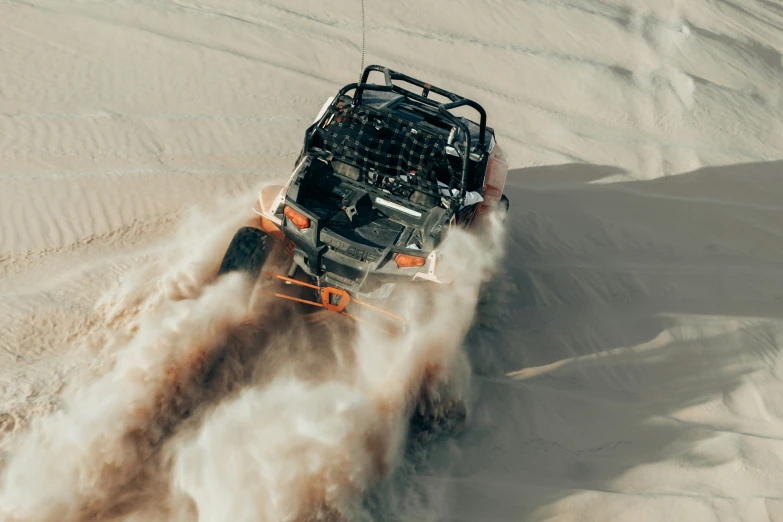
{"points": [[270, 228], [495, 180]]}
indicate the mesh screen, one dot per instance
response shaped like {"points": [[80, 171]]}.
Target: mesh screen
{"points": [[390, 151]]}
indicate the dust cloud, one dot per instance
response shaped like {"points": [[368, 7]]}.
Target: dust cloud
{"points": [[220, 405]]}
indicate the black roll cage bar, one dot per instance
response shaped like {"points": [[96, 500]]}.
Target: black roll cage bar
{"points": [[443, 108]]}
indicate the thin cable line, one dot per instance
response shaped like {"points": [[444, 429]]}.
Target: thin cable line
{"points": [[362, 68]]}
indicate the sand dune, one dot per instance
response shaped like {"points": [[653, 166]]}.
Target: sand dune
{"points": [[625, 362]]}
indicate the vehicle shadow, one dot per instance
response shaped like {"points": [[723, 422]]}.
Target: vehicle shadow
{"points": [[623, 304]]}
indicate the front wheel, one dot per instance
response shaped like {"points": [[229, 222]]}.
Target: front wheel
{"points": [[247, 252]]}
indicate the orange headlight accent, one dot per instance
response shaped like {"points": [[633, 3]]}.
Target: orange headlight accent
{"points": [[296, 218], [406, 261]]}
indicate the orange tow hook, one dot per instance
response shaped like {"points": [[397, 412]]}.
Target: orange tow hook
{"points": [[334, 299]]}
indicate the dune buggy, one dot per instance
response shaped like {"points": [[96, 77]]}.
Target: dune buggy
{"points": [[384, 172]]}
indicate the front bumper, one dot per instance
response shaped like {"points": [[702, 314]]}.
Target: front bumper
{"points": [[333, 260]]}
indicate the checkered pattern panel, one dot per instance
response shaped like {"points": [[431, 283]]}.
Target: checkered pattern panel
{"points": [[383, 145]]}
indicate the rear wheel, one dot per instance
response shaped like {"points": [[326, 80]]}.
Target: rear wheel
{"points": [[504, 203], [247, 252]]}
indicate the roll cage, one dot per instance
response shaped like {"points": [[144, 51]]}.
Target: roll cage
{"points": [[413, 155]]}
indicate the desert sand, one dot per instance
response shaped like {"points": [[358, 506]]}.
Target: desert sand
{"points": [[625, 366]]}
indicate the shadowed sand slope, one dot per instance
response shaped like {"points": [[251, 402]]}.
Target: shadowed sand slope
{"points": [[641, 324]]}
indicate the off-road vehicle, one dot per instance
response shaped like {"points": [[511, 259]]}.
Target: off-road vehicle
{"points": [[383, 175]]}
